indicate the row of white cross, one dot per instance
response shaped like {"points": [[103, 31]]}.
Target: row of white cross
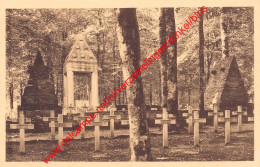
{"points": [[165, 119]]}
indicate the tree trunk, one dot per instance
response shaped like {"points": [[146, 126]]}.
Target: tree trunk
{"points": [[129, 46], [201, 65], [209, 55], [224, 34], [100, 54], [63, 58], [100, 95], [163, 61], [172, 94], [11, 91], [114, 55]]}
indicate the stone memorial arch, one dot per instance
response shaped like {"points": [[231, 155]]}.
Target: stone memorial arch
{"points": [[80, 76]]}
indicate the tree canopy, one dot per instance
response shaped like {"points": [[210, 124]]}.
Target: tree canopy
{"points": [[52, 31]]}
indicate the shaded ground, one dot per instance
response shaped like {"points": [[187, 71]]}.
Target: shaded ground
{"points": [[212, 147]]}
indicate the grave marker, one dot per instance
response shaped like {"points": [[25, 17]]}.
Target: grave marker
{"points": [[124, 122], [27, 120], [227, 121], [60, 126], [196, 121], [155, 109], [189, 115], [97, 123], [215, 115], [250, 119], [166, 119], [22, 128], [52, 119], [239, 114], [81, 118], [112, 118], [66, 110]]}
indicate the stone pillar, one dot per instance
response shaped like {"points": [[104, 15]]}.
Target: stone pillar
{"points": [[65, 91], [94, 100], [70, 88], [87, 103]]}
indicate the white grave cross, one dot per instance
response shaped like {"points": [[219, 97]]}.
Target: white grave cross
{"points": [[60, 126], [22, 128], [166, 119], [196, 121], [52, 119], [112, 117], [215, 115], [81, 118], [97, 123], [227, 121], [189, 120], [239, 114]]}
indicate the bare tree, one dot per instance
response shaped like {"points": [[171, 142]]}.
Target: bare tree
{"points": [[129, 46]]}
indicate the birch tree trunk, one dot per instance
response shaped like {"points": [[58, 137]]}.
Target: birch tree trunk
{"points": [[129, 46], [201, 65], [224, 34]]}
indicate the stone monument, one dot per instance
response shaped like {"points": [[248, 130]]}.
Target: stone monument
{"points": [[80, 76], [39, 93]]}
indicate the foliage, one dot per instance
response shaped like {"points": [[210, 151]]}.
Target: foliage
{"points": [[52, 31]]}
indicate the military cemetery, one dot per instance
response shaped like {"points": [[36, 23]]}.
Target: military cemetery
{"points": [[175, 110]]}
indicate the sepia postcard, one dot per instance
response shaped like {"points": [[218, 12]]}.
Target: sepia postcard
{"points": [[129, 83]]}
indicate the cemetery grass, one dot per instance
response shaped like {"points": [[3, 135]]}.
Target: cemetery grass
{"points": [[212, 148]]}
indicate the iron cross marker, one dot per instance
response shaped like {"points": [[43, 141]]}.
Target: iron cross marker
{"points": [[227, 121], [239, 114], [215, 115], [112, 118], [60, 126], [196, 121], [22, 128], [189, 115], [166, 119], [51, 119]]}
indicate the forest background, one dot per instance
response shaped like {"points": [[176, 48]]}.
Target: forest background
{"points": [[52, 31]]}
